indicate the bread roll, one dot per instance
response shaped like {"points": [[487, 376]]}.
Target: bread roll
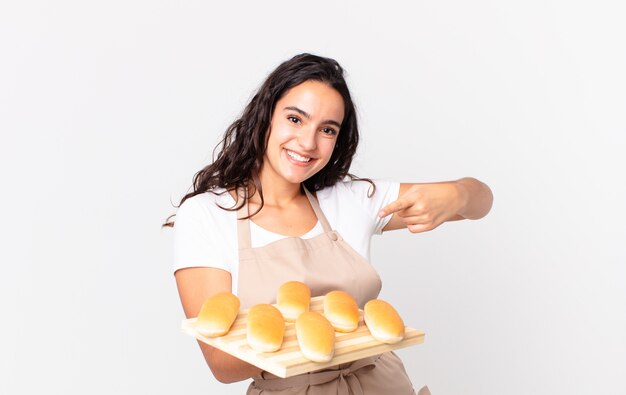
{"points": [[265, 329], [316, 336], [383, 321], [293, 299], [217, 314], [342, 311]]}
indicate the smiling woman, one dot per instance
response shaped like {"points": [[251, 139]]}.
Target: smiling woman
{"points": [[303, 133], [243, 149], [278, 204]]}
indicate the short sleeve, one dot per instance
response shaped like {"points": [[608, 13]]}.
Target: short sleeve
{"points": [[385, 193], [198, 237]]}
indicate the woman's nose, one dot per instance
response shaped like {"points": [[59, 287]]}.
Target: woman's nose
{"points": [[306, 139]]}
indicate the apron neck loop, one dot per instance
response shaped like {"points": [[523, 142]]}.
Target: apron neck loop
{"points": [[243, 225], [318, 211]]}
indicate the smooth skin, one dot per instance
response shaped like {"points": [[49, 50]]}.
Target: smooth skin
{"points": [[303, 132]]}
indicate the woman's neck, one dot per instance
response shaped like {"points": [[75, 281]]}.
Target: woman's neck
{"points": [[277, 192]]}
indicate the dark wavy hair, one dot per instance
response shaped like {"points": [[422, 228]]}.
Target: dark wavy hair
{"points": [[240, 153]]}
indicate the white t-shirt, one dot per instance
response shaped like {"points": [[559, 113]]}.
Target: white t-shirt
{"points": [[205, 235]]}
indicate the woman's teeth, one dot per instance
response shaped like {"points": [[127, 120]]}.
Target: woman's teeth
{"points": [[297, 157]]}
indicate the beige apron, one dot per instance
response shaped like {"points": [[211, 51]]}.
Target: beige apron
{"points": [[325, 263]]}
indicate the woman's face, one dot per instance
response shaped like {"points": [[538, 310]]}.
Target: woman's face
{"points": [[303, 132]]}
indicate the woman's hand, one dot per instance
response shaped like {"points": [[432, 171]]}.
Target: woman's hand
{"points": [[423, 207]]}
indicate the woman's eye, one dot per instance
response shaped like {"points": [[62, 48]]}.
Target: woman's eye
{"points": [[329, 131], [293, 119]]}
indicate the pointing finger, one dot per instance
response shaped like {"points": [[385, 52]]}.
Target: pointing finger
{"points": [[393, 207]]}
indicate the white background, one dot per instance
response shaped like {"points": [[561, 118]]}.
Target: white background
{"points": [[107, 109]]}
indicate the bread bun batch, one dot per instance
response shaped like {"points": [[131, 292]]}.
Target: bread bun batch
{"points": [[316, 336], [315, 332], [217, 314], [265, 329], [383, 321], [293, 298], [342, 311]]}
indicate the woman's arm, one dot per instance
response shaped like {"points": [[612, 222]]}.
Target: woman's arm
{"points": [[424, 206], [195, 285]]}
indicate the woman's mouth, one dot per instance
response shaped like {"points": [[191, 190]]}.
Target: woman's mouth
{"points": [[298, 159]]}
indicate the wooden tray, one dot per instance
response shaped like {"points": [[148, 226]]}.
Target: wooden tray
{"points": [[289, 361]]}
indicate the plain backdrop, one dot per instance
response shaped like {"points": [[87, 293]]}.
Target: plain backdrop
{"points": [[107, 110]]}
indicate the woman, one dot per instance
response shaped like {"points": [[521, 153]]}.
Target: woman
{"points": [[282, 170]]}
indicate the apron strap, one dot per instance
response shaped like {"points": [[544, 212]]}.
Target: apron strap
{"points": [[318, 211], [243, 225]]}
